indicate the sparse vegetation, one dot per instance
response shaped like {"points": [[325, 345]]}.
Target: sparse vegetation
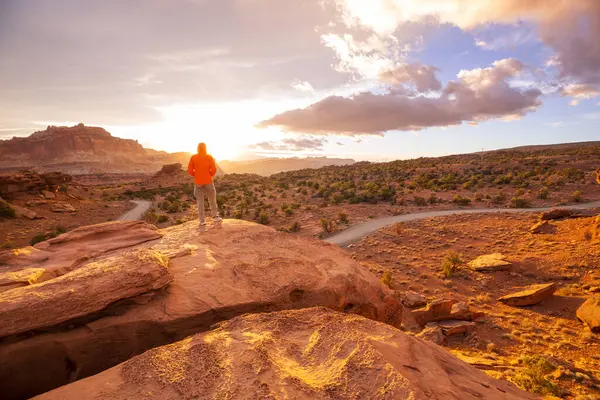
{"points": [[451, 263], [386, 279], [532, 376]]}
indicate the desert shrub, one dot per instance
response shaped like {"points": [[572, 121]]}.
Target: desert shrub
{"points": [[150, 216], [60, 230], [174, 207], [576, 196], [499, 198], [179, 221], [519, 192], [327, 225], [40, 237], [543, 193], [398, 228], [288, 212], [63, 188], [433, 199], [451, 263], [295, 227], [420, 201], [532, 376], [461, 201], [162, 218], [386, 279], [343, 218], [263, 218], [6, 209], [519, 202], [477, 197]]}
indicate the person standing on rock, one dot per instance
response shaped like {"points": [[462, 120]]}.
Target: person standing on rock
{"points": [[202, 167]]}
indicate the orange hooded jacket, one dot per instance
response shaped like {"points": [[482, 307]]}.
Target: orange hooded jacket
{"points": [[202, 167]]}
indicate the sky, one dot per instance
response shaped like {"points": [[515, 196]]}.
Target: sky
{"points": [[364, 79]]}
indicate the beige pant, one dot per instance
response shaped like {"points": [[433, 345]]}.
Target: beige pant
{"points": [[209, 190]]}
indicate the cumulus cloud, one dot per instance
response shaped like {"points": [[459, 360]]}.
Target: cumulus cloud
{"points": [[303, 143], [477, 95], [303, 86], [422, 76], [570, 27], [580, 92]]}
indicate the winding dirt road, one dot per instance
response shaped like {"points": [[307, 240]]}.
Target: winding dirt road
{"points": [[358, 231], [136, 214]]}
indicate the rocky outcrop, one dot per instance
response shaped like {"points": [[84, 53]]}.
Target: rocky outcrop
{"points": [[84, 291], [24, 213], [490, 263], [543, 227], [413, 300], [171, 169], [444, 310], [589, 313], [529, 296], [303, 354], [62, 207], [80, 149], [555, 213], [237, 269], [30, 181]]}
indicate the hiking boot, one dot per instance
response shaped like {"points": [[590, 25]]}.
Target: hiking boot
{"points": [[217, 219]]}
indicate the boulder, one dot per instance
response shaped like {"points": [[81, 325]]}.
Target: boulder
{"points": [[48, 195], [589, 313], [62, 254], [461, 311], [82, 292], [171, 168], [62, 207], [489, 263], [453, 327], [413, 300], [555, 213], [237, 269], [543, 227], [437, 310], [24, 213], [432, 333], [36, 202], [302, 354], [529, 296]]}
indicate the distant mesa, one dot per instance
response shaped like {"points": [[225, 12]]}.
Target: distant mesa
{"points": [[82, 149]]}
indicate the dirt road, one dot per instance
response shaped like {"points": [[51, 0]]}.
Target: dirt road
{"points": [[356, 232], [136, 214]]}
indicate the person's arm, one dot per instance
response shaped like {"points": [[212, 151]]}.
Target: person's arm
{"points": [[191, 169], [213, 167]]}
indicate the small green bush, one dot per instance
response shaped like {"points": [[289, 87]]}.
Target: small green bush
{"points": [[461, 201], [263, 218], [420, 201], [327, 225], [576, 196], [451, 263], [532, 376], [343, 218], [518, 202], [543, 193], [386, 279], [6, 209], [40, 237], [162, 218]]}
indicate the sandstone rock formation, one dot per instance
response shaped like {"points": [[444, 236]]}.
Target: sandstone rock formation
{"points": [[303, 354], [555, 213], [489, 263], [413, 300], [80, 149], [529, 296], [543, 227], [31, 181], [62, 207], [589, 313], [240, 268], [25, 213], [171, 168]]}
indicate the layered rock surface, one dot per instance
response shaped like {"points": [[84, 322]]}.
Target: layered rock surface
{"points": [[312, 353], [99, 305]]}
